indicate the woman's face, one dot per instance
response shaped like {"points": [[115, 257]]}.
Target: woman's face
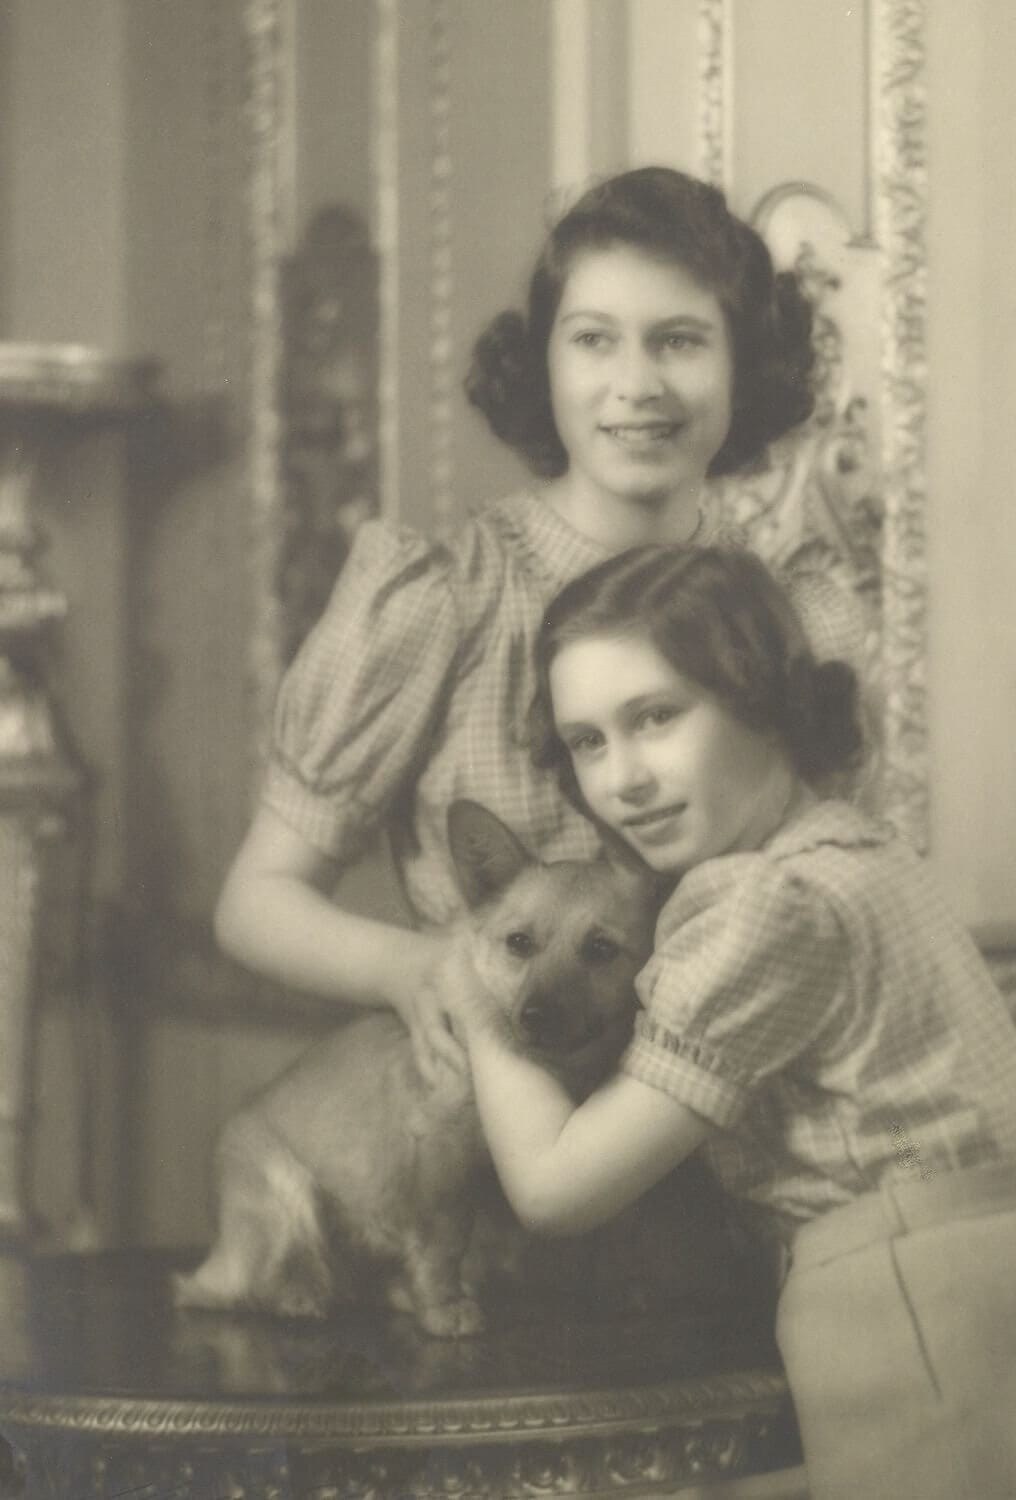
{"points": [[659, 759], [641, 375]]}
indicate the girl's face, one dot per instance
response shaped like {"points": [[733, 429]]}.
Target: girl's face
{"points": [[641, 374], [660, 760]]}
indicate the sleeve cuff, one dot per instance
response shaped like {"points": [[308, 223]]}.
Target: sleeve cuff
{"points": [[341, 832], [684, 1078]]}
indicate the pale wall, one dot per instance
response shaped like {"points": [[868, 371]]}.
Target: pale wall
{"points": [[972, 454]]}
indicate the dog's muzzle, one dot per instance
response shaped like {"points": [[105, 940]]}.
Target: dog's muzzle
{"points": [[551, 1024]]}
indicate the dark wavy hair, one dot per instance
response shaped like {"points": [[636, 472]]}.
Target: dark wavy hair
{"points": [[721, 619], [674, 217]]}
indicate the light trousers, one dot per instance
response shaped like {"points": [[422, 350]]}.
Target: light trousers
{"points": [[897, 1327]]}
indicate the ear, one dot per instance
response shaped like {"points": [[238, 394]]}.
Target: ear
{"points": [[487, 855]]}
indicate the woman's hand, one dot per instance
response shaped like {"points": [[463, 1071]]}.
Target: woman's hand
{"points": [[420, 998], [277, 916]]}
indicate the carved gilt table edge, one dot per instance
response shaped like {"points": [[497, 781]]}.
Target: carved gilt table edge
{"points": [[467, 1420]]}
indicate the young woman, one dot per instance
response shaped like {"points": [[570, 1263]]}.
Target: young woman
{"points": [[813, 1017], [658, 347]]}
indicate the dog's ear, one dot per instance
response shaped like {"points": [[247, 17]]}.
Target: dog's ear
{"points": [[486, 853]]}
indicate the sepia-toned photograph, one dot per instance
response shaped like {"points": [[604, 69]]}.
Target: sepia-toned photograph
{"points": [[507, 788]]}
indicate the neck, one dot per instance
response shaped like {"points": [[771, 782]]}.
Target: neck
{"points": [[789, 800], [621, 522]]}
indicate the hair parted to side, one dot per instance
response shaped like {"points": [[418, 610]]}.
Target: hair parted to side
{"points": [[673, 217], [720, 618]]}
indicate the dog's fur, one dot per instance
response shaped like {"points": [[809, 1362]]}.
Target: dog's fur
{"points": [[352, 1167]]}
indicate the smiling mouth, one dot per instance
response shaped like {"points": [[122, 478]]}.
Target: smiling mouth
{"points": [[637, 434], [658, 815]]}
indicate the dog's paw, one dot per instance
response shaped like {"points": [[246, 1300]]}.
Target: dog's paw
{"points": [[197, 1289], [299, 1302], [460, 1319]]}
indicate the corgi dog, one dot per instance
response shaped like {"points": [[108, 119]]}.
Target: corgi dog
{"points": [[352, 1174]]}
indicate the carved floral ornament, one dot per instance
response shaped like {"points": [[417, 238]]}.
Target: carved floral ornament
{"points": [[848, 493]]}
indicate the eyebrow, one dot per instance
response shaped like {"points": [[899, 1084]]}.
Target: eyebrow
{"points": [[630, 705], [682, 320]]}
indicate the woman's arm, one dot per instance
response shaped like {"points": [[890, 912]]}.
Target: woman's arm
{"points": [[276, 916], [565, 1167]]}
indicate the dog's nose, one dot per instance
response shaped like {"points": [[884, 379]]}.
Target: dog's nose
{"points": [[553, 1025], [544, 1021]]}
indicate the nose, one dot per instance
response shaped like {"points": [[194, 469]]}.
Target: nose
{"points": [[627, 776], [637, 375]]}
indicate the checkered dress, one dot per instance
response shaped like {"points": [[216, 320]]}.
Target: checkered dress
{"points": [[818, 1001], [414, 689]]}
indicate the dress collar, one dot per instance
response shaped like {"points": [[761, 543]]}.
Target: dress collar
{"points": [[555, 549], [830, 821]]}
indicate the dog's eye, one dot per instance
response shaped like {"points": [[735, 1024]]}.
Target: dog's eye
{"points": [[600, 949], [520, 944]]}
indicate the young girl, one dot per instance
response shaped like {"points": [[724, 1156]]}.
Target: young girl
{"points": [[658, 347], [813, 1018]]}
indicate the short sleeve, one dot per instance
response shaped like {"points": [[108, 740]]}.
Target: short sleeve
{"points": [[363, 697], [749, 977]]}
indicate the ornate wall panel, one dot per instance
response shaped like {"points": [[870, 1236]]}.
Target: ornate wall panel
{"points": [[846, 495], [267, 124], [453, 218]]}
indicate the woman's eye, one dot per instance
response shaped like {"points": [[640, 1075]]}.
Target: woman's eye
{"points": [[590, 338], [681, 341], [520, 944]]}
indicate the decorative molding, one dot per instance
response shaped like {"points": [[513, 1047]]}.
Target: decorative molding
{"points": [[481, 1464], [384, 162], [441, 289], [328, 398], [215, 63], [715, 88], [900, 217], [814, 508], [263, 24], [530, 1418], [869, 469], [211, 527]]}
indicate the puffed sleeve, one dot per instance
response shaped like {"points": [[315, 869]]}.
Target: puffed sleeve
{"points": [[750, 974], [363, 697]]}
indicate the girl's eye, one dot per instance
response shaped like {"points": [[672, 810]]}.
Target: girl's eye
{"points": [[520, 944], [583, 744], [590, 338], [654, 718]]}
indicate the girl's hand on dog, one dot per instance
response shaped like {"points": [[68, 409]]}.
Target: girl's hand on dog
{"points": [[423, 1010], [479, 1014]]}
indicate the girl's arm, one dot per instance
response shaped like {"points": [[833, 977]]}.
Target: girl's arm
{"points": [[565, 1167], [276, 916]]}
